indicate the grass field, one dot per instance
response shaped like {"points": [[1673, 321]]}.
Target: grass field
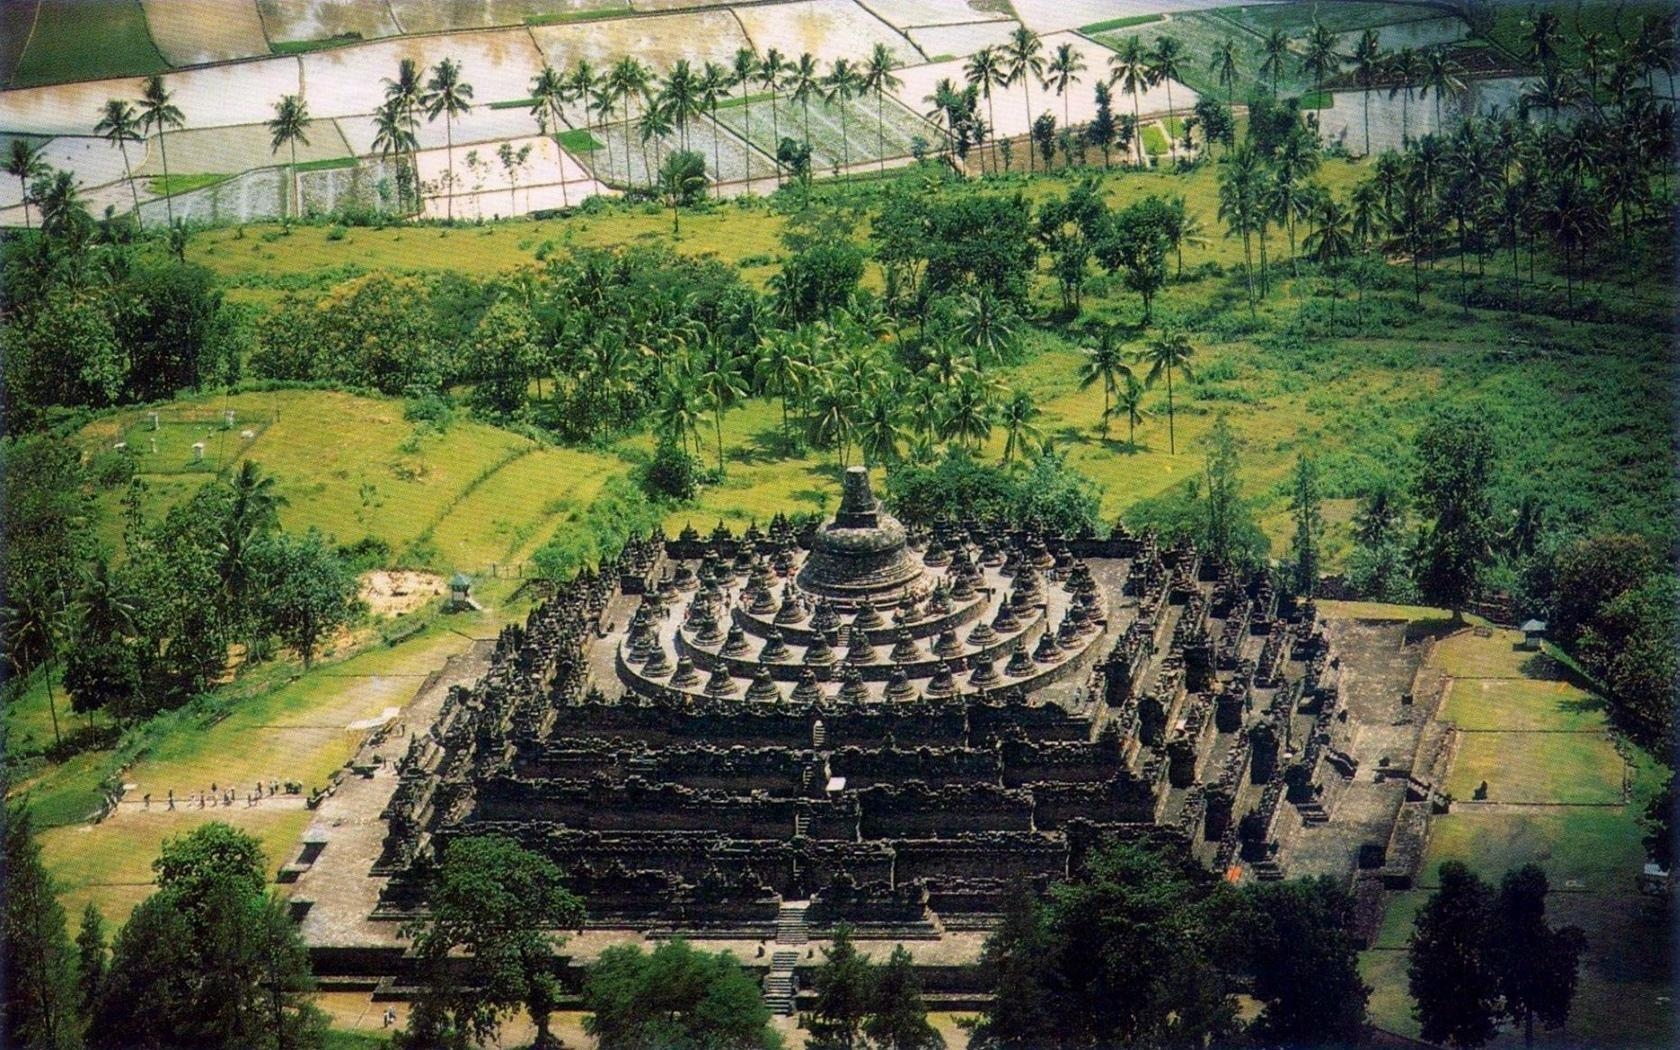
{"points": [[177, 183], [1541, 739], [76, 40]]}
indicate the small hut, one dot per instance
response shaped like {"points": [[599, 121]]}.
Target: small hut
{"points": [[1534, 632], [460, 597]]}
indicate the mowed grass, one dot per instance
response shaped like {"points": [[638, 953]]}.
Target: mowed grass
{"points": [[1543, 740], [516, 509], [80, 40]]}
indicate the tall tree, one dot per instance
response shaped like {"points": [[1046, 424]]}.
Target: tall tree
{"points": [[1442, 75], [393, 136], [1021, 430], [985, 71], [1368, 63], [24, 163], [1274, 52], [1322, 60], [845, 984], [308, 590], [548, 101], [878, 77], [92, 958], [674, 996], [1128, 402], [288, 128], [1404, 67], [448, 96], [1535, 963], [898, 1014], [1128, 69], [402, 94], [1453, 983], [1169, 353], [1293, 937], [771, 72], [742, 71], [486, 947], [1306, 507], [804, 81], [1330, 242], [1224, 67], [1062, 73], [39, 975], [1024, 59], [1455, 472], [1223, 489], [158, 112], [843, 84], [721, 386], [120, 124], [1165, 62]]}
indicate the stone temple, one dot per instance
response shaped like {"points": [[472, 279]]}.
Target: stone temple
{"points": [[734, 736]]}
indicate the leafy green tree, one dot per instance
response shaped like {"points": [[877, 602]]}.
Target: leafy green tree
{"points": [[1016, 964], [1044, 135], [1455, 473], [1306, 506], [92, 958], [1224, 492], [1101, 131], [1631, 644], [1135, 245], [845, 986], [486, 947], [898, 1015], [505, 357], [1293, 936], [817, 279], [308, 591], [210, 959], [166, 328], [674, 996], [64, 352], [39, 976], [1536, 964], [1454, 986]]}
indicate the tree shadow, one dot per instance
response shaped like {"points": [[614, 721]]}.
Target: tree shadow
{"points": [[816, 498], [774, 443], [1431, 628]]}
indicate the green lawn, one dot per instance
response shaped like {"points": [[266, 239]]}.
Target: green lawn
{"points": [[579, 140], [78, 40], [1118, 23], [1550, 768], [178, 183], [1522, 705]]}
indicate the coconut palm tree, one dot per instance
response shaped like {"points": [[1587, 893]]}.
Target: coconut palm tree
{"points": [[654, 125], [1572, 217], [24, 163], [1128, 69], [986, 324], [393, 136], [878, 77], [843, 83], [805, 82], [782, 367], [1274, 51], [120, 124], [966, 411], [1367, 66], [288, 128], [158, 110], [1322, 59], [548, 100], [1365, 224], [1020, 425], [879, 426], [1062, 73], [720, 385], [1023, 58], [1165, 65], [711, 88], [404, 92], [1224, 67], [1555, 91], [1128, 402], [983, 72], [59, 196], [581, 83], [1443, 76], [1105, 363], [1330, 241], [1165, 355], [771, 72], [943, 104], [449, 96], [1542, 31], [1405, 68], [628, 81], [1241, 199], [742, 72]]}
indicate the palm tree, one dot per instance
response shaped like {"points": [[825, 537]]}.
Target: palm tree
{"points": [[1365, 224], [1020, 425], [879, 427], [1543, 30], [1403, 64], [781, 368], [654, 125], [1105, 363], [680, 177], [1128, 402], [1224, 67], [393, 134], [1024, 56], [1555, 91], [805, 82], [1171, 352], [23, 162], [878, 77], [447, 94], [604, 101], [984, 71], [548, 100], [1367, 65], [63, 212], [770, 74], [720, 385], [1128, 68], [1275, 49], [843, 83], [291, 120], [1322, 59], [1240, 205], [675, 417], [119, 123], [742, 71], [1571, 216], [712, 88], [158, 111], [404, 93], [966, 411], [1330, 241], [628, 80], [1441, 75], [581, 83], [1063, 72], [943, 105], [1164, 66]]}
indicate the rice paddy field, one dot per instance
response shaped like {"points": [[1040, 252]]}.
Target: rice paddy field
{"points": [[863, 139], [1560, 796]]}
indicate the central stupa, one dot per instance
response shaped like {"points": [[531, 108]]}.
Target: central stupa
{"points": [[861, 554]]}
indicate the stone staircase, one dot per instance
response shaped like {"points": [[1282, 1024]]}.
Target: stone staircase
{"points": [[1267, 870], [1312, 813], [781, 986], [801, 824]]}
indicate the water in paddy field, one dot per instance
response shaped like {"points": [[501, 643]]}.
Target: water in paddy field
{"points": [[1345, 120]]}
